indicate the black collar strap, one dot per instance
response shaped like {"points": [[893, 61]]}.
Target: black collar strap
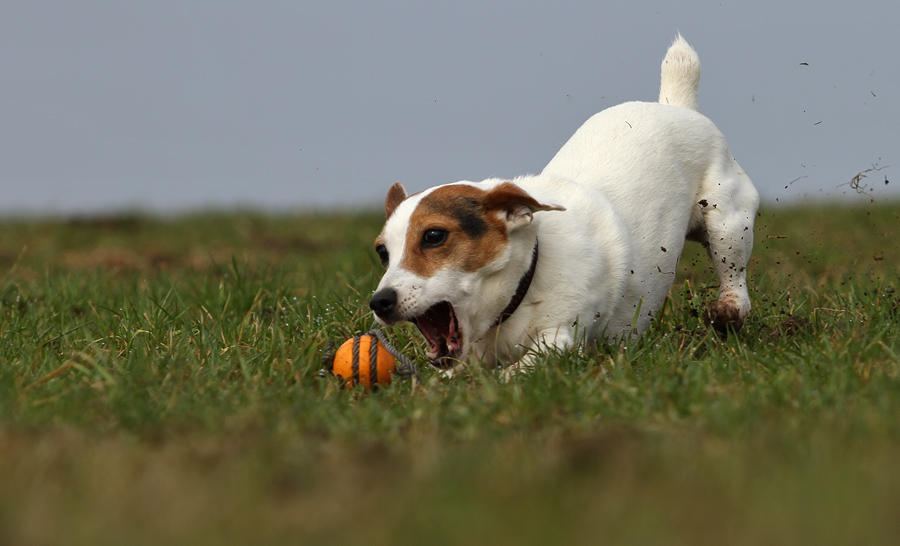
{"points": [[519, 295]]}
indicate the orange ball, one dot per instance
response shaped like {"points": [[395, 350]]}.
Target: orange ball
{"points": [[372, 366]]}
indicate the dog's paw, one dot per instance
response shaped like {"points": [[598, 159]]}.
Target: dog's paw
{"points": [[724, 316], [522, 367]]}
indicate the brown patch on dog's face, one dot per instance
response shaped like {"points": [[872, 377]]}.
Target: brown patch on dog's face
{"points": [[474, 235]]}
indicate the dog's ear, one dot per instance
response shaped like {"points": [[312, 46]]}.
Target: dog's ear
{"points": [[395, 196], [516, 206]]}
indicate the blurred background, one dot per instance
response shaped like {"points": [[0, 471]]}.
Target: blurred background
{"points": [[169, 106]]}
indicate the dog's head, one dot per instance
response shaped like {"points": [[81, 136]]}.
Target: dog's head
{"points": [[454, 255]]}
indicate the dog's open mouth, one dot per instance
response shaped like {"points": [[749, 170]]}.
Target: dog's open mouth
{"points": [[439, 326]]}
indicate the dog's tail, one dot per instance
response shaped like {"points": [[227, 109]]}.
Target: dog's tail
{"points": [[680, 75]]}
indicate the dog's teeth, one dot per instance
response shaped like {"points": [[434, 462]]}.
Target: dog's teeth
{"points": [[432, 354]]}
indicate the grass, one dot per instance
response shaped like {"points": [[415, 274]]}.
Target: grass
{"points": [[158, 382]]}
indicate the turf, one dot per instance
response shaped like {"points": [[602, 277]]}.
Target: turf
{"points": [[159, 382]]}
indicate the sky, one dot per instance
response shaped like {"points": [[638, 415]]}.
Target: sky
{"points": [[170, 106]]}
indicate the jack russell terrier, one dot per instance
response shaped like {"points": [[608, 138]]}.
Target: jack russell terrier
{"points": [[501, 270]]}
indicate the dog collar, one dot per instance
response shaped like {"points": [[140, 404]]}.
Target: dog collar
{"points": [[521, 290]]}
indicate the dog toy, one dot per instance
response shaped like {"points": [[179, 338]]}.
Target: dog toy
{"points": [[367, 359]]}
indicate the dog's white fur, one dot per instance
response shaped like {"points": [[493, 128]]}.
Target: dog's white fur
{"points": [[634, 181]]}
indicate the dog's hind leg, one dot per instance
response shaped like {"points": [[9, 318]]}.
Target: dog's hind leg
{"points": [[723, 223]]}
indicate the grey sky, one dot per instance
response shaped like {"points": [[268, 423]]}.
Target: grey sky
{"points": [[176, 105]]}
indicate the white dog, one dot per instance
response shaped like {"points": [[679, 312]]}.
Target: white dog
{"points": [[588, 249]]}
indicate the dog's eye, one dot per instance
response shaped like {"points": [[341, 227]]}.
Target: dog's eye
{"points": [[434, 238], [382, 254]]}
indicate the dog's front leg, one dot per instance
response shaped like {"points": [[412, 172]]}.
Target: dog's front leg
{"points": [[548, 341]]}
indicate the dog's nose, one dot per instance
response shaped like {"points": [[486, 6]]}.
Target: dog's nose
{"points": [[384, 302]]}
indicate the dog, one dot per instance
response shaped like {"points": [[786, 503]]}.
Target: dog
{"points": [[501, 271]]}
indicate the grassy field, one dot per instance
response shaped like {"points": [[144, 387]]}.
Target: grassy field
{"points": [[158, 384]]}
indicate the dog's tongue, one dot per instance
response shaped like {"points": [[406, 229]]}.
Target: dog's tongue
{"points": [[439, 326]]}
